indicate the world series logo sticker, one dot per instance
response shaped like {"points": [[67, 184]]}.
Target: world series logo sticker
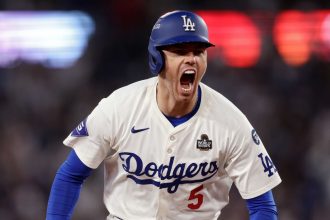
{"points": [[204, 144]]}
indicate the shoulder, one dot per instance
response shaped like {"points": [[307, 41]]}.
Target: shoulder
{"points": [[221, 107], [136, 87], [131, 93], [125, 101]]}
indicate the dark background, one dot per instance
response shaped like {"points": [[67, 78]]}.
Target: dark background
{"points": [[288, 106]]}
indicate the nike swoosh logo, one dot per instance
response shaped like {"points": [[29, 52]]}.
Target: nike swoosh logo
{"points": [[133, 130]]}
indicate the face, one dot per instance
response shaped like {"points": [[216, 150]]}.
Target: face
{"points": [[185, 65]]}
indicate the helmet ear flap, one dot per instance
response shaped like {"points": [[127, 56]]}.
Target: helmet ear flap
{"points": [[156, 59]]}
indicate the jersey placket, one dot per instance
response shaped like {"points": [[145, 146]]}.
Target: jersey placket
{"points": [[165, 198]]}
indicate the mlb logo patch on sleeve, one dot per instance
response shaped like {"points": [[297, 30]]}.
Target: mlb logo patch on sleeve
{"points": [[255, 137], [80, 130]]}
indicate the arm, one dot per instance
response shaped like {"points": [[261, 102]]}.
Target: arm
{"points": [[262, 207], [66, 188]]}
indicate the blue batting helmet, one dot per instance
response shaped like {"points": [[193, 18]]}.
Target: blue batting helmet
{"points": [[175, 28]]}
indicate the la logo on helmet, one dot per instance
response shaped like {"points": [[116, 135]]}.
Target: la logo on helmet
{"points": [[188, 24]]}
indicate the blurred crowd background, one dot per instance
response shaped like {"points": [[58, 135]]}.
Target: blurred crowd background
{"points": [[288, 105]]}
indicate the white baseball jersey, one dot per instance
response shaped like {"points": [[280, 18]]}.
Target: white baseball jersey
{"points": [[156, 171]]}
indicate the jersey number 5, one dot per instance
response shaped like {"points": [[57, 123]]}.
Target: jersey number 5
{"points": [[194, 194]]}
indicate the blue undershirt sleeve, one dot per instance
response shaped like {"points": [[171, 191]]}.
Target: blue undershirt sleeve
{"points": [[66, 187], [262, 207]]}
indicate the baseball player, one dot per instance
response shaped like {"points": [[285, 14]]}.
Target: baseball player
{"points": [[172, 147]]}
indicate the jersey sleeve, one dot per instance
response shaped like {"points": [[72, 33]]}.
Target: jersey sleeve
{"points": [[93, 137], [249, 165]]}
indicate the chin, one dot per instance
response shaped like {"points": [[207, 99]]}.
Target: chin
{"points": [[186, 97]]}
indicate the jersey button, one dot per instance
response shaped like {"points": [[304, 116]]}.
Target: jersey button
{"points": [[169, 150], [172, 138]]}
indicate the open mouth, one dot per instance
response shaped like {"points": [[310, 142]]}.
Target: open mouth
{"points": [[187, 80]]}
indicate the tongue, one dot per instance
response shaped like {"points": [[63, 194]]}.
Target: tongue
{"points": [[186, 87], [185, 81], [186, 84]]}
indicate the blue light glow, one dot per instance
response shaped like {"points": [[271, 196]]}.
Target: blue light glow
{"points": [[55, 39]]}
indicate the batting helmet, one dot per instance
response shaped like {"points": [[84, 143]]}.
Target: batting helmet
{"points": [[175, 28]]}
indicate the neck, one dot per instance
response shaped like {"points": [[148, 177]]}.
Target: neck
{"points": [[170, 106]]}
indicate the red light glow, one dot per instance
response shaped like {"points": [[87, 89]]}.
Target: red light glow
{"points": [[321, 37], [235, 36], [293, 36]]}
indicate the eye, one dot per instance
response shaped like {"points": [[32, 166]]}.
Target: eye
{"points": [[198, 52], [180, 52]]}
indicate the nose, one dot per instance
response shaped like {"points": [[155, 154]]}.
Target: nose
{"points": [[190, 58]]}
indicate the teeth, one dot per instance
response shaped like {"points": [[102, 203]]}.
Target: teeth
{"points": [[187, 89], [189, 72]]}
